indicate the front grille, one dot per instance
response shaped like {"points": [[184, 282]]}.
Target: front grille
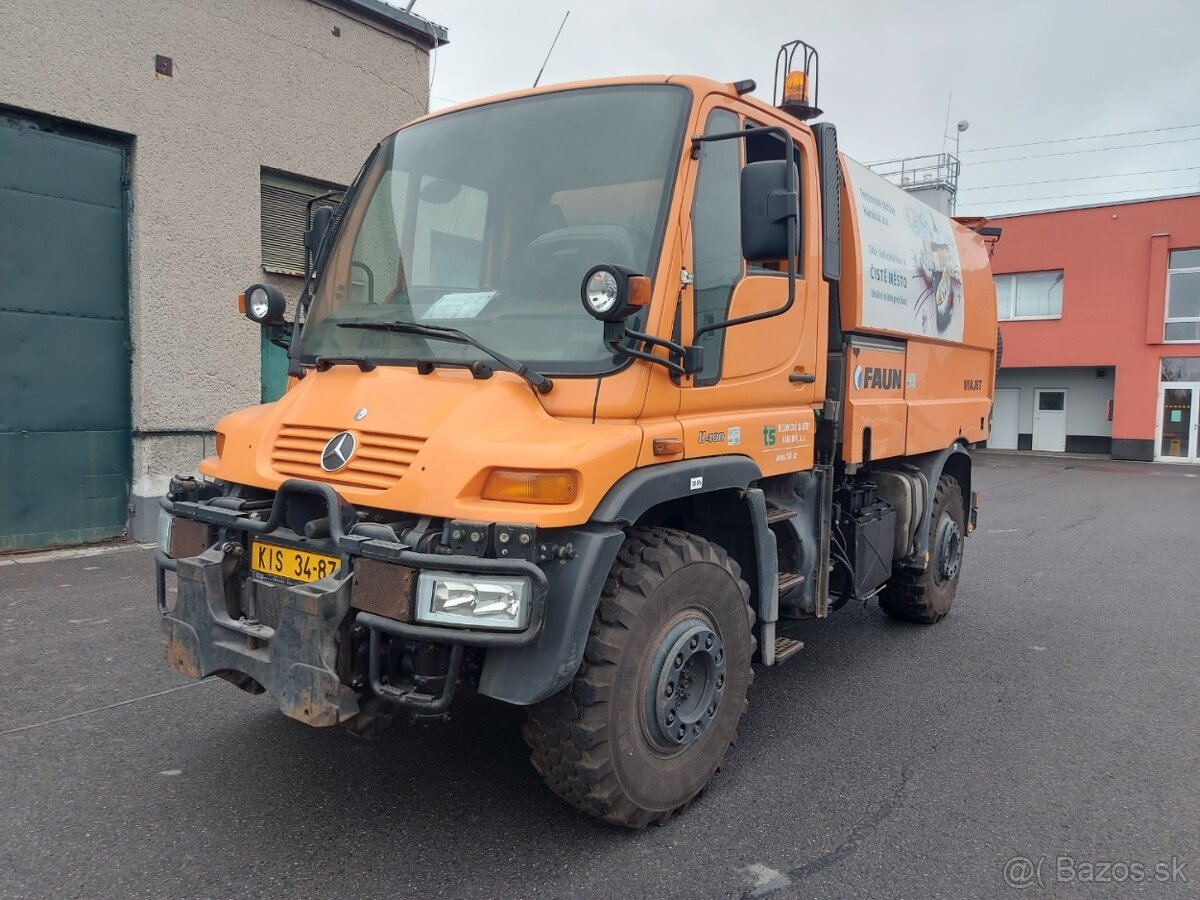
{"points": [[379, 461]]}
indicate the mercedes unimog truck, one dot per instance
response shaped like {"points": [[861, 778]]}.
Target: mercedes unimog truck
{"points": [[596, 390]]}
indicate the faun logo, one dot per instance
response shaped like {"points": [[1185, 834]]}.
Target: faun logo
{"points": [[338, 451], [877, 378]]}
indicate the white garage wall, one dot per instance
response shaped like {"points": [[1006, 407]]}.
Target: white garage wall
{"points": [[1087, 396]]}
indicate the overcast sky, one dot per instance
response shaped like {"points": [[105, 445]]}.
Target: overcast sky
{"points": [[1019, 72]]}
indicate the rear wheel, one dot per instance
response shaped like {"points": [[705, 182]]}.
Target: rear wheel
{"points": [[656, 703], [927, 596]]}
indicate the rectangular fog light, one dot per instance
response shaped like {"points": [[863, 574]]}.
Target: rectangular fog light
{"points": [[165, 521], [473, 601]]}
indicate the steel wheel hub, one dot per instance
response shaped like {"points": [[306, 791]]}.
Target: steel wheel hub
{"points": [[947, 550], [685, 684]]}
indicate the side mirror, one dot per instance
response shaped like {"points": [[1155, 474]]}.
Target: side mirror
{"points": [[314, 236], [263, 304], [767, 203], [613, 293]]}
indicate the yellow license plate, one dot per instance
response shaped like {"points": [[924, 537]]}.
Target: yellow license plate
{"points": [[290, 564]]}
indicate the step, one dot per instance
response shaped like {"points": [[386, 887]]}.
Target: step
{"points": [[789, 580], [786, 648], [777, 514]]}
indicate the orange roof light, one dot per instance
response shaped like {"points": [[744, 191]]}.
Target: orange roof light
{"points": [[795, 88]]}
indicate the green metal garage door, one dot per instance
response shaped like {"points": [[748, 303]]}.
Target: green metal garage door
{"points": [[64, 338]]}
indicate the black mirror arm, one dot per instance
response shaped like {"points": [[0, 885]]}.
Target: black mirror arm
{"points": [[691, 357], [793, 189], [280, 334]]}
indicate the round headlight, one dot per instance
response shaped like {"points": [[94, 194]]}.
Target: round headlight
{"points": [[601, 292], [259, 303], [265, 304]]}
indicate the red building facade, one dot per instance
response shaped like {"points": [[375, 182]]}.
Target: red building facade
{"points": [[1100, 315]]}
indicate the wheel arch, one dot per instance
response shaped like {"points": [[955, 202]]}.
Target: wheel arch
{"points": [[712, 498], [954, 461], [715, 499]]}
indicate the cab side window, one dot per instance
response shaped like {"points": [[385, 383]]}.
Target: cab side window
{"points": [[716, 238]]}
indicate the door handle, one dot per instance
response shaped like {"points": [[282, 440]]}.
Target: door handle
{"points": [[802, 378]]}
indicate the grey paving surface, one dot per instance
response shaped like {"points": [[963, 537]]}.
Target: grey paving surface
{"points": [[1055, 712]]}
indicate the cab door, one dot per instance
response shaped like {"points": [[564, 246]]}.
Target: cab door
{"points": [[756, 392]]}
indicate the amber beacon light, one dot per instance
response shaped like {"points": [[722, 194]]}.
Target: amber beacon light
{"points": [[796, 92]]}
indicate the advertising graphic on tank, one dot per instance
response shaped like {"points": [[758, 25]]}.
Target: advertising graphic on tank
{"points": [[911, 277]]}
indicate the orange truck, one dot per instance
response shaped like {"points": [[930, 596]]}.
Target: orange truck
{"points": [[596, 390]]}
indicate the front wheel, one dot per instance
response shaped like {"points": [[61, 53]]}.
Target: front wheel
{"points": [[656, 703], [927, 596]]}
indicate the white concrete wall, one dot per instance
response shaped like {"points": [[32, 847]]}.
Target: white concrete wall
{"points": [[263, 83], [1087, 396]]}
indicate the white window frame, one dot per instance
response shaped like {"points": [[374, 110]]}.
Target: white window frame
{"points": [[1012, 296], [1175, 320]]}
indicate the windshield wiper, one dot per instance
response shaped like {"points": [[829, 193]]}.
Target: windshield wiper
{"points": [[536, 380]]}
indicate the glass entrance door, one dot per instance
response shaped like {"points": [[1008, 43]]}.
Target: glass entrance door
{"points": [[1178, 407]]}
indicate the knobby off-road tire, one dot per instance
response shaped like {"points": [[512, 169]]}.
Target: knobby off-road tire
{"points": [[671, 641], [926, 597]]}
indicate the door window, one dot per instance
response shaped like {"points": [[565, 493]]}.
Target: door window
{"points": [[1177, 405], [716, 238], [1052, 401]]}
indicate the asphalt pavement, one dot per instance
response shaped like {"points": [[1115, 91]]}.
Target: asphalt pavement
{"points": [[1044, 734]]}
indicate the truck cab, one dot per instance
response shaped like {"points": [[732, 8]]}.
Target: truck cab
{"points": [[590, 398]]}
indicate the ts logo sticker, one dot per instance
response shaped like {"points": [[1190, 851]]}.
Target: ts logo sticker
{"points": [[768, 435]]}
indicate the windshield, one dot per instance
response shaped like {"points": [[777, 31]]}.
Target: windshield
{"points": [[486, 220]]}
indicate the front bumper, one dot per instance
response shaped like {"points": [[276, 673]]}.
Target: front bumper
{"points": [[296, 661], [302, 657]]}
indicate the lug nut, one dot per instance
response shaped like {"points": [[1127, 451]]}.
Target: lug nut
{"points": [[712, 707], [682, 732], [670, 717], [694, 643], [696, 729], [678, 660], [670, 688], [708, 642], [720, 682], [720, 655]]}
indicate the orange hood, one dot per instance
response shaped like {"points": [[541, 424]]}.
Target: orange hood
{"points": [[425, 443]]}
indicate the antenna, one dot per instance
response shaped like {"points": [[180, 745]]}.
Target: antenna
{"points": [[551, 50]]}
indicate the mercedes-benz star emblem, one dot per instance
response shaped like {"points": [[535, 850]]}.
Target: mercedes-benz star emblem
{"points": [[338, 451]]}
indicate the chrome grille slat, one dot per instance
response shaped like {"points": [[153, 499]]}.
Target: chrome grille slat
{"points": [[379, 460]]}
